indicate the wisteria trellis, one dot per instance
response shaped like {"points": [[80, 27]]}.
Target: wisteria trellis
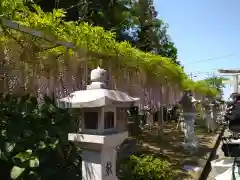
{"points": [[150, 94], [67, 81]]}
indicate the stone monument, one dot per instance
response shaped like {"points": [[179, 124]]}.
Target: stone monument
{"points": [[149, 117], [100, 132]]}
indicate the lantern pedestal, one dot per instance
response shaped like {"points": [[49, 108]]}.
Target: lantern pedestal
{"points": [[99, 154]]}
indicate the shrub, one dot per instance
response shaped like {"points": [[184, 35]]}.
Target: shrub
{"points": [[33, 140], [146, 168]]}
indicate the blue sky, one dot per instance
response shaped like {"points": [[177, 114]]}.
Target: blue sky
{"points": [[202, 30]]}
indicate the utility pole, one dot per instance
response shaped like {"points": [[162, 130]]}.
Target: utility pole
{"points": [[191, 75], [212, 75]]}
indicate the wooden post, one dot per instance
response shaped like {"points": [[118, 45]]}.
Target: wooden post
{"points": [[2, 81], [160, 116]]}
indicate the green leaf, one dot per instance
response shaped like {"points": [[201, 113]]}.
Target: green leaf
{"points": [[34, 176], [24, 156], [54, 144], [34, 162], [16, 172], [9, 146], [42, 145]]}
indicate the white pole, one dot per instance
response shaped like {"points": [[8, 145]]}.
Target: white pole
{"points": [[235, 83]]}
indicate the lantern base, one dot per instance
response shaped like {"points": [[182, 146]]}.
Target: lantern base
{"points": [[110, 140], [99, 154]]}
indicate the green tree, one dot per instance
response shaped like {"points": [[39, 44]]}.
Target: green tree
{"points": [[151, 32], [216, 82], [114, 15], [133, 21]]}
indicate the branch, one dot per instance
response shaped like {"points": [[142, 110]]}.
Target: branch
{"points": [[11, 36], [16, 26], [48, 48]]}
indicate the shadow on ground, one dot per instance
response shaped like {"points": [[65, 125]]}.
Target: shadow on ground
{"points": [[168, 146]]}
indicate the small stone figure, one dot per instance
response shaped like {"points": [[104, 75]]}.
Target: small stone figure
{"points": [[188, 105]]}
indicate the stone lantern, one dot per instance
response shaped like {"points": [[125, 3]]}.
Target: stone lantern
{"points": [[99, 133], [188, 106]]}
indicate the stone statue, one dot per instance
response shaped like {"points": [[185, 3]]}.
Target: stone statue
{"points": [[215, 110], [210, 110], [188, 105]]}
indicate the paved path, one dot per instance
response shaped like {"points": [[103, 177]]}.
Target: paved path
{"points": [[219, 154]]}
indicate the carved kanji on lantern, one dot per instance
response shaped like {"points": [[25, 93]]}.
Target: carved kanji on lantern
{"points": [[108, 169]]}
